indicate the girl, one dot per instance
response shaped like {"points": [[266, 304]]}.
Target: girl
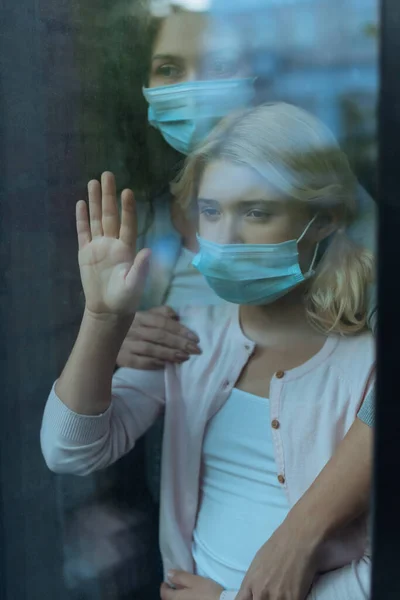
{"points": [[250, 422]]}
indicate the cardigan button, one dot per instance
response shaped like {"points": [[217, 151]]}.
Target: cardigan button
{"points": [[279, 374], [275, 424], [281, 479]]}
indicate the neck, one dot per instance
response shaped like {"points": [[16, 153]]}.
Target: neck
{"points": [[284, 317]]}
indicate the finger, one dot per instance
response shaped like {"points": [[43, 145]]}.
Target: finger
{"points": [[94, 192], [168, 593], [182, 578], [136, 277], [166, 342], [165, 311], [82, 224], [128, 230], [151, 351], [162, 323], [110, 216]]}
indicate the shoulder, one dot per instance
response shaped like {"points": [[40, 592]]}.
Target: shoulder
{"points": [[359, 346], [354, 357]]}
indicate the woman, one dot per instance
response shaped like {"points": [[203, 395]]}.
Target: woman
{"points": [[252, 420]]}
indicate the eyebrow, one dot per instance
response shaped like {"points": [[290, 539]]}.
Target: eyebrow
{"points": [[165, 57], [242, 203]]}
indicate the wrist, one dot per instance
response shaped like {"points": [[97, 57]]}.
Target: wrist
{"points": [[105, 331], [108, 321]]}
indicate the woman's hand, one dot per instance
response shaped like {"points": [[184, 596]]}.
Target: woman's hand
{"points": [[190, 587], [155, 338], [112, 276], [283, 569]]}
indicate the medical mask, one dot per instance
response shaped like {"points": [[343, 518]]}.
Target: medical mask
{"points": [[252, 273], [185, 113]]}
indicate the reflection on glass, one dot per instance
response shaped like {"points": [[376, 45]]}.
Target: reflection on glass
{"points": [[157, 79]]}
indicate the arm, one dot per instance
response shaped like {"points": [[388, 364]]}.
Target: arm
{"points": [[80, 444], [79, 417], [85, 383], [341, 492]]}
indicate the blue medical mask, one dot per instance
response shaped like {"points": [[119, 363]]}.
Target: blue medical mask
{"points": [[185, 113], [252, 273]]}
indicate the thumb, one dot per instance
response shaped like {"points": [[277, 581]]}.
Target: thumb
{"points": [[164, 311], [181, 579], [136, 277]]}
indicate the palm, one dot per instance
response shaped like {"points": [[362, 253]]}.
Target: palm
{"points": [[111, 277]]}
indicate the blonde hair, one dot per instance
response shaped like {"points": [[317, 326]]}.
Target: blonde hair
{"points": [[300, 157]]}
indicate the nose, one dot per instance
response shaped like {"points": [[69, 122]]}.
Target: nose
{"points": [[227, 232], [191, 74]]}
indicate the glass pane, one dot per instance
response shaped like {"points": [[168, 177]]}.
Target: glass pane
{"points": [[218, 403]]}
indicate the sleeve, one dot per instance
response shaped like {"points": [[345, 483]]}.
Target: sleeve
{"points": [[367, 410], [228, 595], [351, 582], [80, 444]]}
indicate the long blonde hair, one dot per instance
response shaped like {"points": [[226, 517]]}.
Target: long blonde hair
{"points": [[300, 157]]}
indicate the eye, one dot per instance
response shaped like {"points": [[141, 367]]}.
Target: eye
{"points": [[169, 71], [258, 214], [210, 213]]}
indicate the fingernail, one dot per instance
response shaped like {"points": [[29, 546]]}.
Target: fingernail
{"points": [[192, 336], [193, 349], [181, 356], [170, 574]]}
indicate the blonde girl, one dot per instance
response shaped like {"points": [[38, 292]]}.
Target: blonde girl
{"points": [[252, 420]]}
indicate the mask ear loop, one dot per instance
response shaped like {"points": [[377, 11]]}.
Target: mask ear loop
{"points": [[314, 258], [311, 267]]}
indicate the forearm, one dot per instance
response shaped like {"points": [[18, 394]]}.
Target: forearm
{"points": [[341, 492], [85, 383]]}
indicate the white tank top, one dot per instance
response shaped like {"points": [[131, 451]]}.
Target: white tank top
{"points": [[241, 501]]}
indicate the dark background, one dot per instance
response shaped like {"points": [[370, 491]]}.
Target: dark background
{"points": [[40, 153]]}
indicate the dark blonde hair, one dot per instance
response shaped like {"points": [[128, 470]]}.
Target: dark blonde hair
{"points": [[114, 43], [299, 156]]}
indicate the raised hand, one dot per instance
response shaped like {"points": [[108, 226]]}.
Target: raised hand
{"points": [[112, 275]]}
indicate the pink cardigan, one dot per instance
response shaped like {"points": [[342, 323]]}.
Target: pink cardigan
{"points": [[315, 405]]}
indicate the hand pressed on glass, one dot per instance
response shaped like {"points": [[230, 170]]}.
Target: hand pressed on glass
{"points": [[112, 275]]}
